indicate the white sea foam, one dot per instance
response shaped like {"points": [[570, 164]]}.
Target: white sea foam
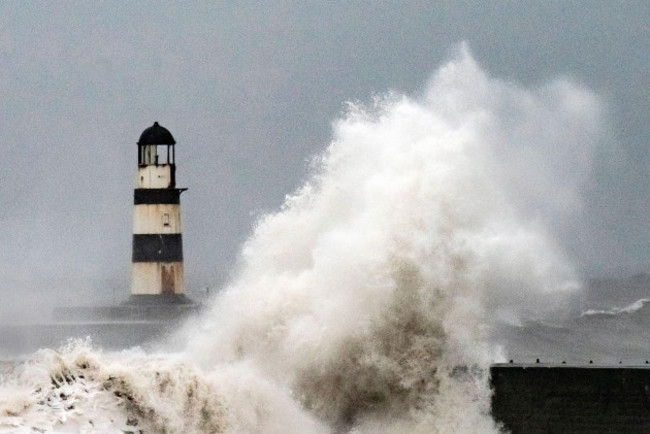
{"points": [[616, 310], [364, 304]]}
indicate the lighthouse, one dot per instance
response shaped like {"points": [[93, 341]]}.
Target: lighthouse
{"points": [[157, 302], [157, 237]]}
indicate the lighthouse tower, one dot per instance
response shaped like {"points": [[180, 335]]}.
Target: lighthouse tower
{"points": [[157, 238]]}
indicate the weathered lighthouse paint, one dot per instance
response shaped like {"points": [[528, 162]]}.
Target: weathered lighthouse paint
{"points": [[157, 236]]}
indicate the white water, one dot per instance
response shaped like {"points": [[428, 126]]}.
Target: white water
{"points": [[630, 308], [364, 305]]}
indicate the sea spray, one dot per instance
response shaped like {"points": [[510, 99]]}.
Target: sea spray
{"points": [[365, 304], [80, 389], [378, 282]]}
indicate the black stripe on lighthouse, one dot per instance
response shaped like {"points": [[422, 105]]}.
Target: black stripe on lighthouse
{"points": [[157, 247], [155, 196]]}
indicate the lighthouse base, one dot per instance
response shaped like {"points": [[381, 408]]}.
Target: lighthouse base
{"points": [[158, 300], [142, 320], [168, 307]]}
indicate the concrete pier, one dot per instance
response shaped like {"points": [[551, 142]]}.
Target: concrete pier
{"points": [[539, 398]]}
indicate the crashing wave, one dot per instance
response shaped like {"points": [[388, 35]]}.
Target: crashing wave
{"points": [[356, 304]]}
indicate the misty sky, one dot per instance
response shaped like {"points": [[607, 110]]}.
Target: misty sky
{"points": [[250, 90]]}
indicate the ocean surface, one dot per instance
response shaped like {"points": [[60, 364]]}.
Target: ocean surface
{"points": [[80, 388], [611, 328], [419, 252]]}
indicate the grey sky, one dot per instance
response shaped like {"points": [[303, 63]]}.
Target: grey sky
{"points": [[249, 91]]}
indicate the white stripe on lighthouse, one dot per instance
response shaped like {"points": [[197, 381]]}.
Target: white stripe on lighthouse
{"points": [[157, 219], [152, 278]]}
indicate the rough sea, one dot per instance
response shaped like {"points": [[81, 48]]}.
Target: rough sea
{"points": [[418, 252], [611, 328]]}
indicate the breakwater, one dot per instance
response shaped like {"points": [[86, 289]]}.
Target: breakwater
{"points": [[538, 398]]}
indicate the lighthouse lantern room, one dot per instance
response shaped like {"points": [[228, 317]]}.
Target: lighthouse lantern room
{"points": [[157, 237]]}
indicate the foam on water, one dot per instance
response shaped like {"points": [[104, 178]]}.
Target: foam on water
{"points": [[365, 303], [630, 308]]}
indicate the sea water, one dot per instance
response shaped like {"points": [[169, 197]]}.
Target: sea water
{"points": [[374, 299]]}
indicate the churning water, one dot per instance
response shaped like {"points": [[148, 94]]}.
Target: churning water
{"points": [[368, 303]]}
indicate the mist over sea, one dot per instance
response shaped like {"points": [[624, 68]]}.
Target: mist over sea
{"points": [[419, 252]]}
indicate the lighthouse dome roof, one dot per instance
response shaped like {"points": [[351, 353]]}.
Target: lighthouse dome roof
{"points": [[156, 135]]}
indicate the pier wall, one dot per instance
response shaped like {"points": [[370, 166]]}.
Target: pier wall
{"points": [[571, 399]]}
